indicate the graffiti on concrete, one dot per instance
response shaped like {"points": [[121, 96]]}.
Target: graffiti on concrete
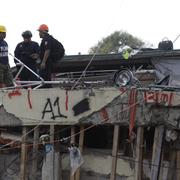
{"points": [[164, 98], [14, 93], [52, 108]]}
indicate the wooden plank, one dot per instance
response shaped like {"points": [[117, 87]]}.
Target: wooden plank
{"points": [[161, 168], [35, 153], [52, 134], [177, 165], [52, 142], [172, 165], [81, 142], [59, 162], [72, 135], [23, 164], [139, 153], [60, 166], [72, 142], [157, 148], [114, 152]]}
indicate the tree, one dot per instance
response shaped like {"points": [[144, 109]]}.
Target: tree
{"points": [[117, 40]]}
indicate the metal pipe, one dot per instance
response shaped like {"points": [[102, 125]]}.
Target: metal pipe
{"points": [[22, 66], [27, 67]]}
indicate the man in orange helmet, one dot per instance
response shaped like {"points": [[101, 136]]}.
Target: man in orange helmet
{"points": [[48, 48], [6, 78]]}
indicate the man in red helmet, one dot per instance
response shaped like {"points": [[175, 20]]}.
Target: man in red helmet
{"points": [[48, 48]]}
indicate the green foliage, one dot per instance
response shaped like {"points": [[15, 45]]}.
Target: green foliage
{"points": [[114, 41]]}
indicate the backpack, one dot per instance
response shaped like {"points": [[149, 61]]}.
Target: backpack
{"points": [[57, 51], [165, 45]]}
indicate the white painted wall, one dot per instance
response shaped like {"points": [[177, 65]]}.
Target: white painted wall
{"points": [[19, 105]]}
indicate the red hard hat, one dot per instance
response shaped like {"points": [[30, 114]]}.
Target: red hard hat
{"points": [[43, 27]]}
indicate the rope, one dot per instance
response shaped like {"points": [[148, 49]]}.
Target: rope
{"points": [[63, 139], [84, 72]]}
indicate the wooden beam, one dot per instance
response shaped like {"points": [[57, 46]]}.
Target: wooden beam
{"points": [[157, 148], [72, 135], [52, 134], [23, 164], [139, 153], [161, 168], [81, 142], [114, 152], [35, 153], [58, 149], [72, 142], [177, 165], [60, 166], [52, 142], [172, 165]]}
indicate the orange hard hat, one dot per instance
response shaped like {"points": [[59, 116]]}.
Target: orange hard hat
{"points": [[43, 27]]}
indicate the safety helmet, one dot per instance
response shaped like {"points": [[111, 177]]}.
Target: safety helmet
{"points": [[43, 28], [2, 28], [27, 34]]}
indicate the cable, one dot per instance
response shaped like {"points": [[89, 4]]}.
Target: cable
{"points": [[118, 156], [23, 135], [176, 38], [64, 139], [59, 140], [40, 123], [79, 123], [83, 73], [22, 64], [43, 80]]}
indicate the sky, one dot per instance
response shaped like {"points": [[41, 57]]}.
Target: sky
{"points": [[81, 24]]}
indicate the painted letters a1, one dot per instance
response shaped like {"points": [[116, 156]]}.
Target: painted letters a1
{"points": [[51, 107]]}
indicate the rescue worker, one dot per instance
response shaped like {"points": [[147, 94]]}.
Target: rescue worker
{"points": [[6, 78], [50, 51], [46, 47], [27, 52]]}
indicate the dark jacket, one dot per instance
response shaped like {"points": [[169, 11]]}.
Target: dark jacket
{"points": [[24, 50], [46, 44]]}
